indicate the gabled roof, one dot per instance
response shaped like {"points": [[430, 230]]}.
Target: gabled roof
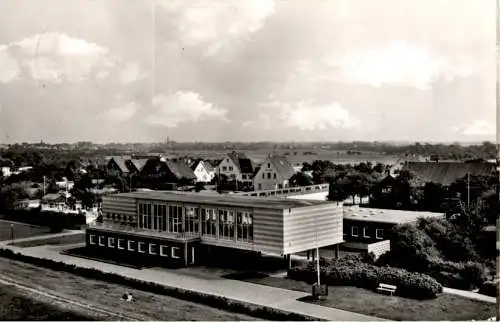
{"points": [[180, 169], [138, 163], [243, 163], [121, 162], [446, 173], [194, 165], [206, 165], [282, 166]]}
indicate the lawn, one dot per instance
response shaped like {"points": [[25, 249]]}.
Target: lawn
{"points": [[145, 306], [20, 230], [61, 240], [446, 307], [15, 305]]}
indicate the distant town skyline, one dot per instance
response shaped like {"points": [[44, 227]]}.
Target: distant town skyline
{"points": [[247, 71]]}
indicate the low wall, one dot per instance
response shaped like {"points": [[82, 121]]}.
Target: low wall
{"points": [[379, 248]]}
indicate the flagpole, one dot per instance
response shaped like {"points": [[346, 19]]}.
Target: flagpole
{"points": [[497, 59]]}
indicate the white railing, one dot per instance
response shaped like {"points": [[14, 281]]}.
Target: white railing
{"points": [[287, 191], [144, 231]]}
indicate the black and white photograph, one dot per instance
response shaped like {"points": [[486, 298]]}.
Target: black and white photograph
{"points": [[241, 160]]}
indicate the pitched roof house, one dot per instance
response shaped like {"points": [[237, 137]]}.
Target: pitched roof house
{"points": [[203, 171], [169, 170], [446, 173], [118, 164], [236, 166], [274, 173], [136, 165]]}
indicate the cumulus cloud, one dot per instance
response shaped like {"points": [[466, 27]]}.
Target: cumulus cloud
{"points": [[122, 114], [55, 57], [478, 127], [398, 63], [304, 115], [183, 107], [307, 116], [218, 23]]}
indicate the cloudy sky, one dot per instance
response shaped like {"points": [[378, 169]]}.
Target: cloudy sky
{"points": [[247, 70]]}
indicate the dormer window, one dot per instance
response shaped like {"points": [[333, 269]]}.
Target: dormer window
{"points": [[269, 165]]}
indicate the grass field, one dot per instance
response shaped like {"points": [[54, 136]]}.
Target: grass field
{"points": [[16, 305], [446, 307], [20, 230], [62, 240], [145, 305]]}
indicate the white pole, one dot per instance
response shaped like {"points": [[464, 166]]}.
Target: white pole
{"points": [[317, 264], [468, 190], [497, 52]]}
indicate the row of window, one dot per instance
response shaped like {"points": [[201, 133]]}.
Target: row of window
{"points": [[379, 233], [268, 175], [216, 223], [135, 246]]}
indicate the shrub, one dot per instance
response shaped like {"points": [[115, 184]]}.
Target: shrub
{"points": [[489, 288], [206, 299], [356, 273]]}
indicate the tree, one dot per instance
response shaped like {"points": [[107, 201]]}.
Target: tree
{"points": [[433, 197], [300, 179]]}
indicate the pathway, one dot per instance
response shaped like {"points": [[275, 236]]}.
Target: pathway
{"points": [[237, 290], [471, 295], [44, 236]]}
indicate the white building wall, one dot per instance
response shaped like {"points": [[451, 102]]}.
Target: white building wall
{"points": [[267, 178]]}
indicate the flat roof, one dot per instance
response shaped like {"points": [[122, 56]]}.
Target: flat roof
{"points": [[220, 199], [388, 216]]}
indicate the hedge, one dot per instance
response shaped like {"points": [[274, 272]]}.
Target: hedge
{"points": [[219, 302], [354, 272], [489, 288], [460, 275]]}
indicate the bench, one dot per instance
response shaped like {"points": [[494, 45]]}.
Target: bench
{"points": [[391, 289]]}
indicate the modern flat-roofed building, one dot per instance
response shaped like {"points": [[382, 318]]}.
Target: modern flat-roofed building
{"points": [[364, 226], [180, 228]]}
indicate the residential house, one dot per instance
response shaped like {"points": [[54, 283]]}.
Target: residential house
{"points": [[445, 173], [64, 184], [135, 166], [53, 201], [236, 166], [169, 171], [118, 165], [275, 173], [203, 171]]}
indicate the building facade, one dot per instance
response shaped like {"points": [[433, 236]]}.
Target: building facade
{"points": [[363, 226], [274, 173], [236, 166], [203, 171], [180, 228]]}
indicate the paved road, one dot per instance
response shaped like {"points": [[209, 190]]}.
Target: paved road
{"points": [[236, 290]]}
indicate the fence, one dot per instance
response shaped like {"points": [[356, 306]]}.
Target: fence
{"points": [[148, 232]]}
